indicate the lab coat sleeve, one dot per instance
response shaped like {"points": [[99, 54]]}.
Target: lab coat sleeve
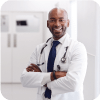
{"points": [[34, 79], [73, 81]]}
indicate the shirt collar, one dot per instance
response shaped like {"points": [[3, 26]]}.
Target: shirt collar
{"points": [[61, 40]]}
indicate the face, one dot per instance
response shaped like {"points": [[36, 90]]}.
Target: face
{"points": [[57, 23]]}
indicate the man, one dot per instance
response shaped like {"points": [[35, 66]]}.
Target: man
{"points": [[57, 67]]}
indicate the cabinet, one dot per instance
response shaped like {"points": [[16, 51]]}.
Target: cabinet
{"points": [[21, 32]]}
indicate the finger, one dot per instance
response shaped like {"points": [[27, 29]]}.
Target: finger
{"points": [[34, 65], [29, 69], [31, 66], [35, 70]]}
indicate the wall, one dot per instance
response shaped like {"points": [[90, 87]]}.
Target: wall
{"points": [[30, 5], [33, 5], [97, 64], [87, 24], [37, 6], [89, 82], [88, 33]]}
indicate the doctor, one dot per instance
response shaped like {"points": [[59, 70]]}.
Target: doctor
{"points": [[58, 66]]}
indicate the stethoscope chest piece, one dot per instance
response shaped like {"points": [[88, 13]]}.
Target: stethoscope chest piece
{"points": [[63, 59]]}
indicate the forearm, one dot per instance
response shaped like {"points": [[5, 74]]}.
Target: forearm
{"points": [[58, 74], [47, 77], [73, 81], [32, 79]]}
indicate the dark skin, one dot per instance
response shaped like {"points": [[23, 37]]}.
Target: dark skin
{"points": [[57, 23]]}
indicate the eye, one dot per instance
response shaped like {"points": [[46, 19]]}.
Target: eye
{"points": [[52, 20], [61, 20]]}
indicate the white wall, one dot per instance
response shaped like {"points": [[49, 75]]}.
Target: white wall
{"points": [[88, 32], [97, 64], [36, 6], [87, 24], [89, 83], [30, 5], [33, 5]]}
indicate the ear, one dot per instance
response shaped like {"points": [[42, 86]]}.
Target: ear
{"points": [[68, 23], [47, 23]]}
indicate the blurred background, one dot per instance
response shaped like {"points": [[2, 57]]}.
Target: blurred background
{"points": [[24, 25]]}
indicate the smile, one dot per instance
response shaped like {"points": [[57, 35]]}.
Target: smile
{"points": [[57, 29]]}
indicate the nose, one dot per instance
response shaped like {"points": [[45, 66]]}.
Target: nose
{"points": [[57, 23]]}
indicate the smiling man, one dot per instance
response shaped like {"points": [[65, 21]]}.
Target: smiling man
{"points": [[58, 66], [58, 22]]}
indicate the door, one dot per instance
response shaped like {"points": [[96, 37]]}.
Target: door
{"points": [[27, 33], [18, 41], [6, 47]]}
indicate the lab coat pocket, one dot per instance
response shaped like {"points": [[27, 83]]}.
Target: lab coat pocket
{"points": [[63, 66], [43, 67]]}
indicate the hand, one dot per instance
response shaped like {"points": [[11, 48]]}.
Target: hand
{"points": [[58, 74], [45, 85], [33, 67]]}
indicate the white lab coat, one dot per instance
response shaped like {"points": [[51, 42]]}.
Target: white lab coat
{"points": [[69, 87]]}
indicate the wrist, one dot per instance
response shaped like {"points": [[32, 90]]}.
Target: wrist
{"points": [[45, 85], [52, 78]]}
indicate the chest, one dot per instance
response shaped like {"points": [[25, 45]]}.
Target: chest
{"points": [[58, 64]]}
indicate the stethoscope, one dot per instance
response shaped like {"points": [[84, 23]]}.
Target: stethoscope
{"points": [[63, 59]]}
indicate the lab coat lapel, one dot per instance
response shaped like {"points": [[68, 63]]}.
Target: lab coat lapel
{"points": [[46, 52], [61, 51]]}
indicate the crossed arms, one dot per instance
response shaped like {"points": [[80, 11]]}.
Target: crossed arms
{"points": [[58, 74], [69, 81]]}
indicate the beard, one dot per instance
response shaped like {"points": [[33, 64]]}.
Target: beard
{"points": [[58, 35]]}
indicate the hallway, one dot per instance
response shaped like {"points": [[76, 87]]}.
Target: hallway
{"points": [[18, 92]]}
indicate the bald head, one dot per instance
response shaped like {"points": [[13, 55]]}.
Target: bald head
{"points": [[58, 22], [58, 10]]}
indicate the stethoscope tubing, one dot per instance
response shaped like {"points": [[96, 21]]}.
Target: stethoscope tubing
{"points": [[63, 59]]}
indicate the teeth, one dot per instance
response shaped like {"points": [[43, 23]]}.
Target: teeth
{"points": [[57, 29]]}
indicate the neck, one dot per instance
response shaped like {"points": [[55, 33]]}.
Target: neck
{"points": [[57, 38]]}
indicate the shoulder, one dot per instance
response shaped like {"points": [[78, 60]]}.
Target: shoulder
{"points": [[78, 47], [76, 44], [40, 46]]}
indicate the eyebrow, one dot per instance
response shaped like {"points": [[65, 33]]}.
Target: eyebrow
{"points": [[59, 18], [52, 18]]}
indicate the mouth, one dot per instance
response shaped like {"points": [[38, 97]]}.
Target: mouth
{"points": [[57, 29]]}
